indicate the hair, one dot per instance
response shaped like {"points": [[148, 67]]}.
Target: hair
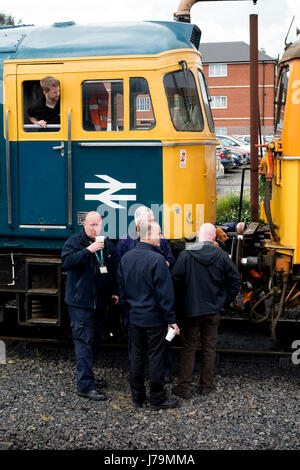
{"points": [[142, 213], [48, 82], [240, 228], [207, 233], [146, 227]]}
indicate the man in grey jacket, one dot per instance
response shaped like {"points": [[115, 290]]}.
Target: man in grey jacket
{"points": [[208, 280]]}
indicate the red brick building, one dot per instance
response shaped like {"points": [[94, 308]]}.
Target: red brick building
{"points": [[227, 68]]}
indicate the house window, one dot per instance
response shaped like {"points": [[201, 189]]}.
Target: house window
{"points": [[141, 110], [218, 102], [221, 130], [217, 70], [143, 103]]}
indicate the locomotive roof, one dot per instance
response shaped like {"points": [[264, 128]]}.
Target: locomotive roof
{"points": [[71, 40], [291, 52]]}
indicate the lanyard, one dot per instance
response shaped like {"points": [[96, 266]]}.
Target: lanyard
{"points": [[101, 262]]}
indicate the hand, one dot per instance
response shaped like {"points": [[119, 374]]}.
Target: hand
{"points": [[115, 299], [175, 328], [42, 123], [96, 246]]}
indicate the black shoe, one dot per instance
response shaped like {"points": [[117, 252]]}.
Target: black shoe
{"points": [[93, 395], [168, 378], [100, 383], [138, 404], [181, 394], [168, 403]]}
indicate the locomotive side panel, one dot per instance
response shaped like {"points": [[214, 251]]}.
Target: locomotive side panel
{"points": [[144, 139]]}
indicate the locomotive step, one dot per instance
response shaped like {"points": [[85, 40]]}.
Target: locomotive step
{"points": [[41, 260], [40, 321], [43, 291]]}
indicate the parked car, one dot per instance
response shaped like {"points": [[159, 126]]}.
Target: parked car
{"points": [[225, 156], [233, 143], [267, 138], [246, 138], [243, 138], [244, 157], [219, 168], [238, 150], [238, 158]]}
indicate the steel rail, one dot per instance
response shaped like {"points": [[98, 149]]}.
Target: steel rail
{"points": [[243, 352]]}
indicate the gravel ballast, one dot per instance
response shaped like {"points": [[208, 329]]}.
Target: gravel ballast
{"points": [[255, 405]]}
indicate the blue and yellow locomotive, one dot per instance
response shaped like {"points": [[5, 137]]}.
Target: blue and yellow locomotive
{"points": [[135, 128]]}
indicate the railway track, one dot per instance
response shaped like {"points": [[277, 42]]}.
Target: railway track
{"points": [[221, 351]]}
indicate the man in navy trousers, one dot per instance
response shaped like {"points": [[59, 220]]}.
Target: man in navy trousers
{"points": [[146, 287], [91, 284]]}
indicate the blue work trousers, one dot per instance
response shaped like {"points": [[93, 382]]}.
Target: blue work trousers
{"points": [[87, 325]]}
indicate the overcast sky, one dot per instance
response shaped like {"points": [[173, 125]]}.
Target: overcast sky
{"points": [[218, 21]]}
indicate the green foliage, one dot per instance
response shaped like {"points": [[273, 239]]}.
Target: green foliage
{"points": [[228, 209], [261, 188]]}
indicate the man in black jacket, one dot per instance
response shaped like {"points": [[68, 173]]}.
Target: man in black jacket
{"points": [[208, 280], [91, 267], [146, 287]]}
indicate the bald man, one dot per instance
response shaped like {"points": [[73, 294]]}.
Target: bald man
{"points": [[208, 280], [92, 282], [146, 287]]}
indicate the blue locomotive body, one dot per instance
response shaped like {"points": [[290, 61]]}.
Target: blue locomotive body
{"points": [[154, 146]]}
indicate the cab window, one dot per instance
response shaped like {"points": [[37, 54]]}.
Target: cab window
{"points": [[206, 99], [183, 101], [280, 101], [103, 105], [41, 110], [141, 110]]}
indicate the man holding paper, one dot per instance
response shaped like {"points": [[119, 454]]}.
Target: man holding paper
{"points": [[146, 287]]}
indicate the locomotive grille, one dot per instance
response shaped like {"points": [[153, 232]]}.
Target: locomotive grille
{"points": [[196, 36]]}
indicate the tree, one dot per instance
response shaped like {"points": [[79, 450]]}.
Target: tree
{"points": [[7, 19]]}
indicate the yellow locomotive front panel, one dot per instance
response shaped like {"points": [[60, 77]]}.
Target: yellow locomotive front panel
{"points": [[285, 187]]}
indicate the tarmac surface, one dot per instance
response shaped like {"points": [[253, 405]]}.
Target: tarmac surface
{"points": [[231, 182]]}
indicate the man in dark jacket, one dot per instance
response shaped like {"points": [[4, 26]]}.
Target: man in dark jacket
{"points": [[126, 244], [91, 267], [146, 287], [209, 280]]}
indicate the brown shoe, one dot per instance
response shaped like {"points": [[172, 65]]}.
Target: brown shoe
{"points": [[206, 391], [179, 393]]}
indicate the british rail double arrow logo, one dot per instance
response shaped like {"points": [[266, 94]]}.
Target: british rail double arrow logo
{"points": [[112, 186]]}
